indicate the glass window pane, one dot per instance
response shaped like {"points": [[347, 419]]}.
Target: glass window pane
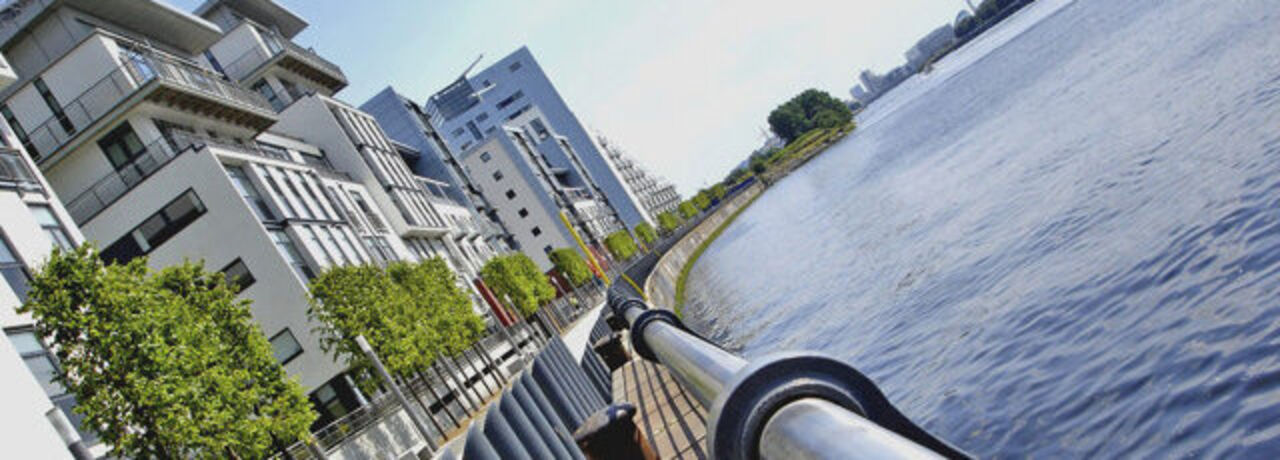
{"points": [[6, 255], [26, 343], [44, 215], [184, 206], [18, 281], [284, 346]]}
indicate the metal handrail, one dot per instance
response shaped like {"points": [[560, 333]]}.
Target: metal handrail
{"points": [[109, 188], [790, 406], [253, 58], [136, 69]]}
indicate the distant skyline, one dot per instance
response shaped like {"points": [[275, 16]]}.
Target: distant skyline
{"points": [[683, 86]]}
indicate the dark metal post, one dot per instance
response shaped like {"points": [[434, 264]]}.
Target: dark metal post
{"points": [[418, 424]]}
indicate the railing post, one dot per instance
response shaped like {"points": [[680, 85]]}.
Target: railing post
{"points": [[418, 424]]}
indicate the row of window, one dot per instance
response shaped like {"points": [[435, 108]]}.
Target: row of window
{"points": [[157, 228]]}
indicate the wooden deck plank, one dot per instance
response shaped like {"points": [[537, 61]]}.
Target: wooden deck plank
{"points": [[672, 421]]}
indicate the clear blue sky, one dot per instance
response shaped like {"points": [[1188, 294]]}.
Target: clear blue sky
{"points": [[684, 86]]}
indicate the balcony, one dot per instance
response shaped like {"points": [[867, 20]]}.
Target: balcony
{"points": [[109, 188], [146, 75], [279, 50], [14, 171]]}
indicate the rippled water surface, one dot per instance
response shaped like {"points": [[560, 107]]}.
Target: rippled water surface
{"points": [[1064, 242]]}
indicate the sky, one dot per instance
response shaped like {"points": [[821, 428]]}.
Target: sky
{"points": [[684, 86]]}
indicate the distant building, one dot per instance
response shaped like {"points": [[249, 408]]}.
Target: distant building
{"points": [[860, 94], [475, 107], [930, 44], [655, 194]]}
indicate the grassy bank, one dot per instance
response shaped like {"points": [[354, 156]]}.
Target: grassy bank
{"points": [[688, 264]]}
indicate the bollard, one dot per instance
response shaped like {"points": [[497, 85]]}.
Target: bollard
{"points": [[524, 429], [476, 446], [611, 434]]}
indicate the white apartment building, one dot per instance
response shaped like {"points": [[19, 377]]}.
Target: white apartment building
{"points": [[530, 194], [34, 222], [426, 222], [158, 155], [654, 193]]}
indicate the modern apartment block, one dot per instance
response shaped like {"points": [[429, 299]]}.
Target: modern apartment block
{"points": [[426, 221], [34, 222], [213, 137], [654, 193], [533, 196], [473, 108]]}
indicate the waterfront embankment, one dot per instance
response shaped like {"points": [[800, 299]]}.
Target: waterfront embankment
{"points": [[662, 286]]}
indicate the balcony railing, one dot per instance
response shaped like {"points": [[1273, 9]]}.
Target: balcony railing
{"points": [[14, 169], [114, 185], [138, 69], [248, 62]]}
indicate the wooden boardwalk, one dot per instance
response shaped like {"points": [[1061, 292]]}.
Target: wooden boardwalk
{"points": [[670, 418]]}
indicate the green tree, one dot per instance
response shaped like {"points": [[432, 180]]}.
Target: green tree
{"points": [[620, 244], [702, 200], [718, 191], [807, 111], [571, 265], [517, 278], [165, 364], [687, 209], [668, 222], [646, 233], [439, 306]]}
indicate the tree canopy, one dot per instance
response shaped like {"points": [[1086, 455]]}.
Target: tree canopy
{"points": [[410, 313], [165, 364], [668, 221], [571, 265], [807, 111], [646, 233], [687, 209], [620, 244], [516, 277]]}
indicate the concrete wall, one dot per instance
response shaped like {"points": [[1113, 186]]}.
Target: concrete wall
{"points": [[661, 285]]}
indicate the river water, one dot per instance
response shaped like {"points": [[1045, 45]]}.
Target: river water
{"points": [[1063, 242]]}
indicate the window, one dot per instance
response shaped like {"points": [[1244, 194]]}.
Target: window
{"points": [[329, 402], [238, 276], [540, 128], [325, 257], [285, 347], [374, 220], [54, 106], [283, 199], [458, 132], [467, 145], [485, 157], [510, 99], [519, 112], [250, 193], [292, 89], [475, 131], [547, 249], [514, 66], [43, 367], [264, 88], [273, 151], [53, 228], [511, 194], [155, 230], [290, 252], [15, 273], [19, 131], [523, 212], [537, 231], [122, 146], [497, 175], [380, 248], [482, 117]]}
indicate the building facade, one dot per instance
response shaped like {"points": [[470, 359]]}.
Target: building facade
{"points": [[655, 194], [34, 223], [473, 108]]}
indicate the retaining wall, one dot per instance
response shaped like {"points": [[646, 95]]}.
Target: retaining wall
{"points": [[660, 286]]}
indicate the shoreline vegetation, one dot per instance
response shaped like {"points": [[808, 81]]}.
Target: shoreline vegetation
{"points": [[809, 123]]}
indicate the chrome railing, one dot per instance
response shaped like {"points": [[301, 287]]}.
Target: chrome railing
{"points": [[14, 169], [138, 69], [115, 184]]}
